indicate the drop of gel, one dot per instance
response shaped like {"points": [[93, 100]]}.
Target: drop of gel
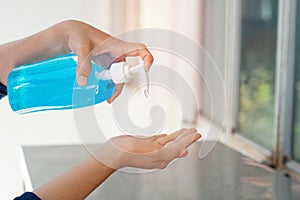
{"points": [[146, 93]]}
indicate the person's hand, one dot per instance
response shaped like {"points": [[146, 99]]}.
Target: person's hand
{"points": [[87, 42], [113, 50], [154, 152]]}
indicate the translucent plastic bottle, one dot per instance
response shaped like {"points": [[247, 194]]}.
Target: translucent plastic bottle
{"points": [[51, 84]]}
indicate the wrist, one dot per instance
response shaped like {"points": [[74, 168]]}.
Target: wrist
{"points": [[64, 29], [110, 155]]}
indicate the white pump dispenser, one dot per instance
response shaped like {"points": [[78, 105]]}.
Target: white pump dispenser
{"points": [[122, 72]]}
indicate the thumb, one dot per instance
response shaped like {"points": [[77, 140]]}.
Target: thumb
{"points": [[84, 67]]}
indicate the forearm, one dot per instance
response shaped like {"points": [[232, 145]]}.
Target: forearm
{"points": [[64, 37], [69, 36], [76, 183], [47, 43]]}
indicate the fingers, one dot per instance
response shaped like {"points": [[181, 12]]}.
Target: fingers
{"points": [[155, 137], [84, 66], [186, 141], [117, 92], [178, 147], [185, 133], [180, 133], [145, 54], [147, 58], [164, 140]]}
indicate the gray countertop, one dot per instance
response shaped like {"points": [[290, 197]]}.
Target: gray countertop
{"points": [[222, 175]]}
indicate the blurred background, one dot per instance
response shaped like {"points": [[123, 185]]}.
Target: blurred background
{"points": [[253, 45]]}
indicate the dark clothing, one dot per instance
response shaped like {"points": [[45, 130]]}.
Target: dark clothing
{"points": [[3, 90], [28, 196]]}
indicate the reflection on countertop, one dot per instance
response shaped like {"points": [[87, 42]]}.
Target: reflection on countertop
{"points": [[222, 175]]}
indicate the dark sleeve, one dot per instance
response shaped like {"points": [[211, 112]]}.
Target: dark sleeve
{"points": [[3, 90], [27, 196]]}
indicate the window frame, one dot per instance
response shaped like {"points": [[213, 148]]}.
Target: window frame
{"points": [[284, 81], [232, 75], [281, 154]]}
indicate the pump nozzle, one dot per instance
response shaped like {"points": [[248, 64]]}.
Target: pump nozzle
{"points": [[123, 71]]}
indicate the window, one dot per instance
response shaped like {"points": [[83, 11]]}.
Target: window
{"points": [[262, 76], [296, 121], [257, 71]]}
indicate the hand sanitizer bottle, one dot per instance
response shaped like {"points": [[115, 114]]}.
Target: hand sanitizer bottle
{"points": [[51, 84]]}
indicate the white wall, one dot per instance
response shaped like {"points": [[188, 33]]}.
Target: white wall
{"points": [[19, 19], [22, 18]]}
